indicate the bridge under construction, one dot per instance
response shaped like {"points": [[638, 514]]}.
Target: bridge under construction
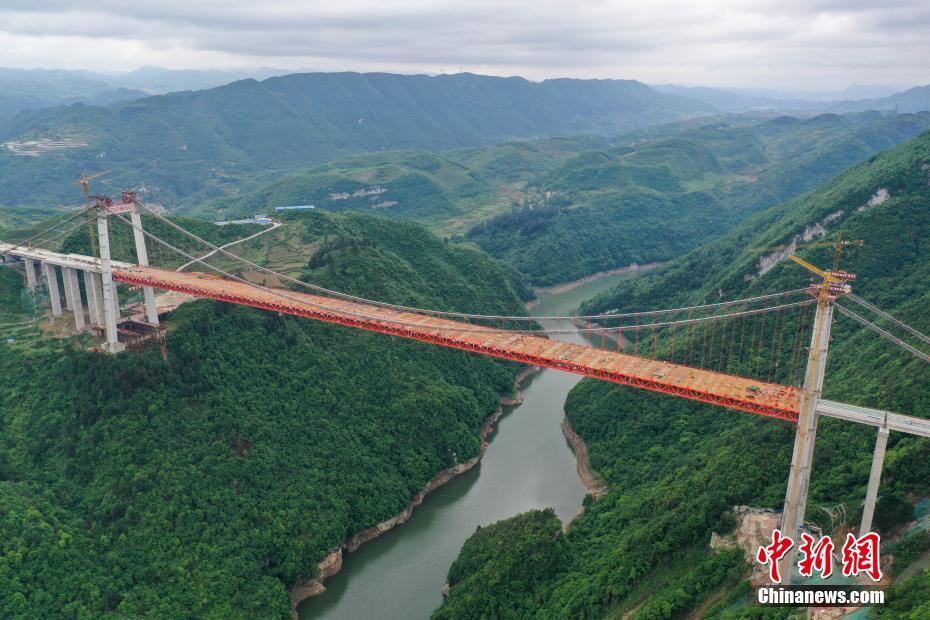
{"points": [[704, 358]]}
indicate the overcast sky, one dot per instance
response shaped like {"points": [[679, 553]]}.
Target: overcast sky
{"points": [[789, 44]]}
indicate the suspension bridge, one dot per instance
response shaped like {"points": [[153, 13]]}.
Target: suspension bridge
{"points": [[750, 354]]}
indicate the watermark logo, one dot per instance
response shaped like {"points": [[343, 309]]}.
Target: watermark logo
{"points": [[861, 555], [773, 553], [858, 556], [816, 556]]}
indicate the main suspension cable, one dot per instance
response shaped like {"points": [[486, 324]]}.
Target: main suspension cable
{"points": [[476, 329], [463, 315], [51, 228], [884, 314], [881, 332]]}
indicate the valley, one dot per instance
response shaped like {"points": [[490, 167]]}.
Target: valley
{"points": [[528, 464], [266, 465], [653, 451]]}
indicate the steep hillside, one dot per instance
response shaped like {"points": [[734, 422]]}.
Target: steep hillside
{"points": [[675, 469], [207, 485], [816, 150], [853, 197], [651, 201], [210, 141]]}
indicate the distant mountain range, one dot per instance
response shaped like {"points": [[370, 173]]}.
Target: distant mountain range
{"points": [[727, 100], [158, 80], [210, 140], [206, 142], [856, 98], [22, 89], [32, 89], [916, 99]]}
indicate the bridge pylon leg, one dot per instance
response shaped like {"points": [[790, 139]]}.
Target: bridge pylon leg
{"points": [[806, 433], [110, 302], [148, 295], [875, 476]]}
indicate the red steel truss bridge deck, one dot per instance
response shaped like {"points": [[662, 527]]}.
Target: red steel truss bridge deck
{"points": [[706, 386]]}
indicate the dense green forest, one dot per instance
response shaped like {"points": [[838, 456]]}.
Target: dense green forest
{"points": [[210, 142], [675, 469], [206, 485], [447, 192], [643, 202], [11, 296], [413, 185], [491, 584]]}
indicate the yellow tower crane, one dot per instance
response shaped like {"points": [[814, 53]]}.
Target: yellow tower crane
{"points": [[833, 282], [84, 184], [84, 181]]}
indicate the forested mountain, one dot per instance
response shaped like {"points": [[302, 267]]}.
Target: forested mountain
{"points": [[675, 469], [599, 202], [411, 185], [651, 201], [449, 192], [32, 89], [207, 485], [210, 141]]}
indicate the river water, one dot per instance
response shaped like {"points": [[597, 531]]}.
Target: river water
{"points": [[528, 464]]}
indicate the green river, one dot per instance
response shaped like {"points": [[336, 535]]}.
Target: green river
{"points": [[528, 464]]}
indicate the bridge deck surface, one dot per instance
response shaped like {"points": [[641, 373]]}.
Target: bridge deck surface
{"points": [[74, 261], [658, 376]]}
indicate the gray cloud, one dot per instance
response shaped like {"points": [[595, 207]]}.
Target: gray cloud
{"points": [[777, 43]]}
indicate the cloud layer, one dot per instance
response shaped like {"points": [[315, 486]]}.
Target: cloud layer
{"points": [[798, 44]]}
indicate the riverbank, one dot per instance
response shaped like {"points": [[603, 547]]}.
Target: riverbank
{"points": [[592, 484], [567, 286], [332, 563]]}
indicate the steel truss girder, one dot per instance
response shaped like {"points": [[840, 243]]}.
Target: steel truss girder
{"points": [[425, 335]]}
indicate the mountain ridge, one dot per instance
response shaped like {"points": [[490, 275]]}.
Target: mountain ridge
{"points": [[211, 141]]}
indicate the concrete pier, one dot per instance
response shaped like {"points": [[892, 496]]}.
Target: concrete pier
{"points": [[94, 297], [69, 299], [30, 265], [73, 293], [51, 277], [875, 477], [116, 312]]}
